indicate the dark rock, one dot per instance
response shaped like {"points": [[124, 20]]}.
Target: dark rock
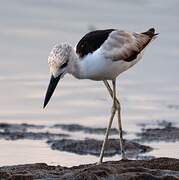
{"points": [[155, 169], [90, 130], [30, 171], [173, 106], [21, 131], [21, 177], [16, 127], [30, 135], [93, 147], [166, 132]]}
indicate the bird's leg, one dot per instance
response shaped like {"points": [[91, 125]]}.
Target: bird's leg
{"points": [[121, 133], [111, 92], [119, 119], [110, 122]]}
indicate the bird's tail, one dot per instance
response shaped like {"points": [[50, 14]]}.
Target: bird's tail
{"points": [[151, 33]]}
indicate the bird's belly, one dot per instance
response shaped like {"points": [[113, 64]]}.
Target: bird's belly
{"points": [[109, 70], [97, 67]]}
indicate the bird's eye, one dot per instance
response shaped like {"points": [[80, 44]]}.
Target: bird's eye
{"points": [[64, 65]]}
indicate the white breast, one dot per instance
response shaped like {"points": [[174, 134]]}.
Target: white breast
{"points": [[96, 67]]}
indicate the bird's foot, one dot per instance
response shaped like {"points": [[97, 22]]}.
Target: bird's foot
{"points": [[99, 162], [123, 158]]}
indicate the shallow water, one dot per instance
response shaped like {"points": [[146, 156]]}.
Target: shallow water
{"points": [[148, 92]]}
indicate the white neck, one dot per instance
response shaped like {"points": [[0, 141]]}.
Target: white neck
{"points": [[84, 68], [74, 65]]}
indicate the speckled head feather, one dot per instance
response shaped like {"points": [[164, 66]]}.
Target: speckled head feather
{"points": [[59, 57]]}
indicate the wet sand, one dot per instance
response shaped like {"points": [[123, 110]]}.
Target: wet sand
{"points": [[68, 143]]}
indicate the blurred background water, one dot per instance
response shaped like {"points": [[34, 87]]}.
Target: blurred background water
{"points": [[148, 92]]}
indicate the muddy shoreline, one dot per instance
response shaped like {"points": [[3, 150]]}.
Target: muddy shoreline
{"points": [[62, 138], [155, 169], [145, 167], [166, 131], [65, 142]]}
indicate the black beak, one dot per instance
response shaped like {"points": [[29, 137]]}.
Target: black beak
{"points": [[51, 87]]}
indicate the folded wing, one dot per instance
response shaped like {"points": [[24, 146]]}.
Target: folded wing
{"points": [[122, 45], [92, 41]]}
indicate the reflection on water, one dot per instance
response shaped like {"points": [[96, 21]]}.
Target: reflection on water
{"points": [[30, 28]]}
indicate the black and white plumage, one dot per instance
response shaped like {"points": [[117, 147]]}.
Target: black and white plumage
{"points": [[100, 55], [93, 41]]}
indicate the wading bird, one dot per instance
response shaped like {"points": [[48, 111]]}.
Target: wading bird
{"points": [[100, 55]]}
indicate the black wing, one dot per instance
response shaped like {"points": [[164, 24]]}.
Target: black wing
{"points": [[92, 41]]}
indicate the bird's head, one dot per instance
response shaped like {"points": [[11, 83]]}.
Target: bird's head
{"points": [[58, 63], [58, 59]]}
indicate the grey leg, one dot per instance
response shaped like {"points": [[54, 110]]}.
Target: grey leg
{"points": [[110, 91], [119, 119], [110, 122]]}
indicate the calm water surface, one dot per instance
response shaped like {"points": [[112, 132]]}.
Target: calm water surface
{"points": [[148, 92]]}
